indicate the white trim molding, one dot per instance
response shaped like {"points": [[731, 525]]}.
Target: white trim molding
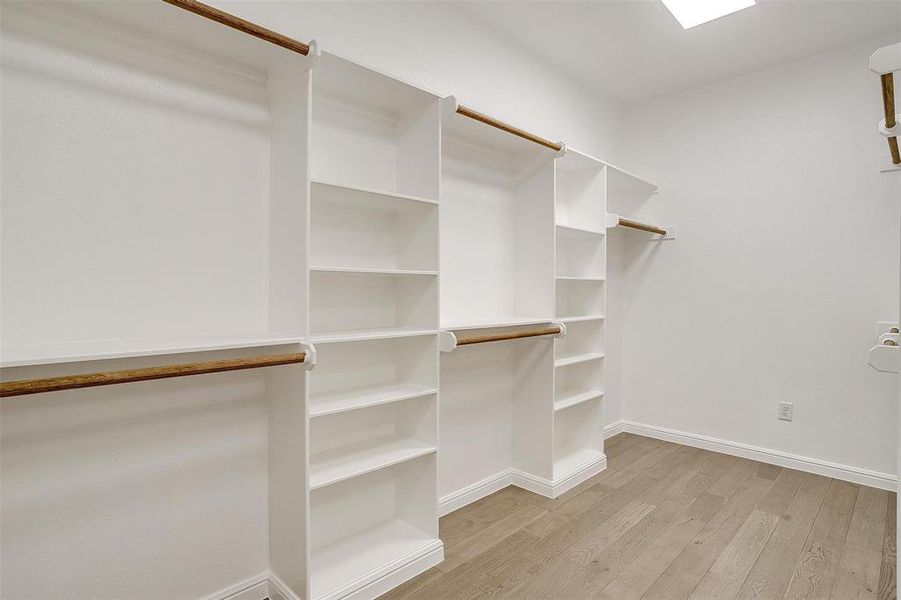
{"points": [[884, 481], [252, 588]]}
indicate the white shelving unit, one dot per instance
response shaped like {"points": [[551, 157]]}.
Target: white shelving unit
{"points": [[247, 199], [373, 408], [581, 194]]}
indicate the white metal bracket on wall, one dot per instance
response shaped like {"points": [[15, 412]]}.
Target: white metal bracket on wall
{"points": [[309, 359], [313, 56], [885, 357]]}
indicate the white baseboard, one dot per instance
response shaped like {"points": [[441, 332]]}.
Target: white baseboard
{"points": [[475, 491], [866, 477], [373, 585], [278, 590], [613, 429], [252, 588], [527, 481], [583, 473]]}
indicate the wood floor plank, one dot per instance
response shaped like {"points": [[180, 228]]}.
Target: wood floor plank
{"points": [[547, 582], [815, 571], [858, 574], [489, 536], [645, 568], [727, 574], [773, 570], [594, 571], [506, 579], [867, 526], [887, 575]]}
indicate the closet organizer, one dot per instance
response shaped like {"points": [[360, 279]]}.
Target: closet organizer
{"points": [[186, 194]]}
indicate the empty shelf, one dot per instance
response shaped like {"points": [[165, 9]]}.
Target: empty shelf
{"points": [[573, 359], [347, 560], [579, 230], [65, 352], [574, 399], [573, 460], [492, 323], [365, 195], [337, 465], [582, 318], [327, 337], [329, 403], [373, 271], [578, 278]]}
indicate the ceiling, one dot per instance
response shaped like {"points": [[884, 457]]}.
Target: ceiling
{"points": [[631, 50]]}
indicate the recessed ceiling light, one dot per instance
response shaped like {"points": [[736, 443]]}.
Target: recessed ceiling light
{"points": [[694, 12]]}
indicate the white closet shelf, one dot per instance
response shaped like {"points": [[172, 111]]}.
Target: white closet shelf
{"points": [[329, 403], [574, 399], [66, 352], [574, 359], [581, 318], [367, 271], [347, 560], [341, 464], [329, 337], [365, 196], [571, 460], [492, 323], [622, 181], [580, 230], [578, 278]]}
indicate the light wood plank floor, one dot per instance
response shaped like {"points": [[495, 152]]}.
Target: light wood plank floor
{"points": [[669, 521]]}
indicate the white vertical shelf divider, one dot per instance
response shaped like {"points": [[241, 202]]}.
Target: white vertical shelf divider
{"points": [[373, 310]]}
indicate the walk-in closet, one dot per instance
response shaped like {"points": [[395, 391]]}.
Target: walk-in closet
{"points": [[448, 301]]}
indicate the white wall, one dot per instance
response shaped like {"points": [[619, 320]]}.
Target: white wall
{"points": [[438, 46], [786, 257]]}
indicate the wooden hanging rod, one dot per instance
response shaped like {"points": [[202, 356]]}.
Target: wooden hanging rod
{"points": [[888, 100], [641, 226], [230, 20], [463, 340], [468, 112], [72, 382]]}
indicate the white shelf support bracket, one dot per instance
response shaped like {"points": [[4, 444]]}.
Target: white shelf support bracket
{"points": [[563, 149], [562, 327], [447, 341], [449, 106], [885, 357], [309, 359], [314, 55]]}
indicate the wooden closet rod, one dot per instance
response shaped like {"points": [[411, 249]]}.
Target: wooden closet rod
{"points": [[72, 382], [468, 112], [888, 100], [230, 20], [463, 340], [641, 226]]}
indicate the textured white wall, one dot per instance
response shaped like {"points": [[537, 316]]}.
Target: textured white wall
{"points": [[439, 46], [786, 257]]}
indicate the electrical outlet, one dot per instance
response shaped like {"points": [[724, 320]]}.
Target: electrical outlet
{"points": [[786, 410]]}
